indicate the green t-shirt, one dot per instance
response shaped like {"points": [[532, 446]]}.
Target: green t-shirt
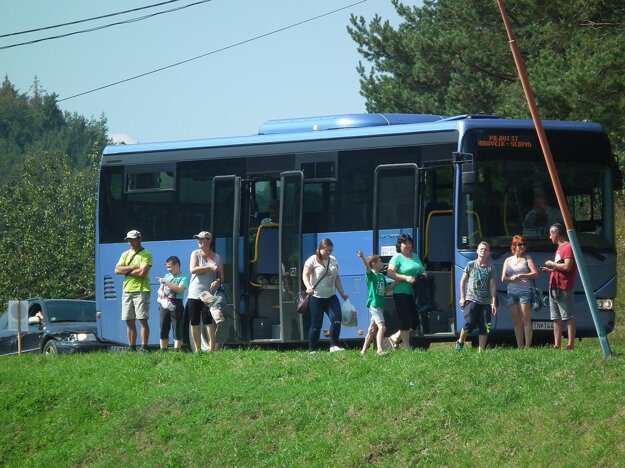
{"points": [[376, 283], [406, 266], [132, 283]]}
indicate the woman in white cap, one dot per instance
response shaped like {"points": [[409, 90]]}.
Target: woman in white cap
{"points": [[207, 274]]}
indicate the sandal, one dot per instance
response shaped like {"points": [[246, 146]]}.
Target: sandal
{"points": [[570, 346], [556, 347]]}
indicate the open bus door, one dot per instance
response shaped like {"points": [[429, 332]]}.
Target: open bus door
{"points": [[225, 229], [395, 205], [290, 248]]}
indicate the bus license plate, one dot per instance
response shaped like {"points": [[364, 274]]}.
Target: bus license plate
{"points": [[542, 325]]}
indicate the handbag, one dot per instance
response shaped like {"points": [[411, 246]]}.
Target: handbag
{"points": [[303, 297], [537, 298], [302, 300]]}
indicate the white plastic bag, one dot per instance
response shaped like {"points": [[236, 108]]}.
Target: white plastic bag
{"points": [[350, 317], [167, 304]]}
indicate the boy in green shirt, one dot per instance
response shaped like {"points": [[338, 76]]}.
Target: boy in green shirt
{"points": [[376, 284]]}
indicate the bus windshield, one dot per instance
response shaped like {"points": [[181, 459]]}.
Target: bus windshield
{"points": [[513, 192]]}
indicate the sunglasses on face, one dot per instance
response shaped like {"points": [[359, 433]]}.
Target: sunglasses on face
{"points": [[521, 244]]}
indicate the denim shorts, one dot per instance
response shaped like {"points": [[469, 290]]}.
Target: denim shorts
{"points": [[523, 298]]}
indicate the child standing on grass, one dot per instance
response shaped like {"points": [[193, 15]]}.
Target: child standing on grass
{"points": [[478, 296], [170, 295], [376, 284]]}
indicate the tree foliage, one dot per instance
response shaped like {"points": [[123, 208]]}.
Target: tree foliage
{"points": [[47, 225], [452, 57], [34, 122]]}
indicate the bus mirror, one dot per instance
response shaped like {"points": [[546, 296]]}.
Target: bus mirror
{"points": [[468, 177], [467, 169]]}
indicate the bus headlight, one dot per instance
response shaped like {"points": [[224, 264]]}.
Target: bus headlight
{"points": [[605, 304]]}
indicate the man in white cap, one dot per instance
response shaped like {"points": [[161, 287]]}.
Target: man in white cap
{"points": [[135, 264]]}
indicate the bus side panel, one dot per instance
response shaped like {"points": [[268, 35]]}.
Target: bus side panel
{"points": [[111, 325]]}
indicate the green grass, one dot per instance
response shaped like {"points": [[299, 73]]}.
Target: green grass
{"points": [[534, 407], [268, 408]]}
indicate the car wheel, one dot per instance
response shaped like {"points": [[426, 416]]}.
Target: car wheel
{"points": [[50, 347]]}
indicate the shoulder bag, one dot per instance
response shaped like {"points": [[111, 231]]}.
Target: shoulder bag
{"points": [[303, 297], [537, 298]]}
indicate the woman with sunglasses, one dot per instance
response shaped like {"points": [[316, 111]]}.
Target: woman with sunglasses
{"points": [[518, 272]]}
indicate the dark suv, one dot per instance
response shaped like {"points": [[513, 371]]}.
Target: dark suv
{"points": [[54, 326]]}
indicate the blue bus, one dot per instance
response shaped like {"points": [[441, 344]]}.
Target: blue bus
{"points": [[360, 180]]}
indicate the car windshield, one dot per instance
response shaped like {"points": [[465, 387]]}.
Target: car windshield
{"points": [[70, 311]]}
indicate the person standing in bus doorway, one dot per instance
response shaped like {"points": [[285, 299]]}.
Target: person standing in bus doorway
{"points": [[135, 264], [321, 279], [519, 271], [478, 296], [405, 267], [207, 274], [561, 282], [170, 296]]}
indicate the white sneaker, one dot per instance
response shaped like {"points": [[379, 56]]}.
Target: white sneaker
{"points": [[334, 349]]}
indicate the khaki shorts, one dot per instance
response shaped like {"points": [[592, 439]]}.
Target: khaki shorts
{"points": [[135, 305], [561, 304]]}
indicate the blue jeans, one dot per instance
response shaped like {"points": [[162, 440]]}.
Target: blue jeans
{"points": [[316, 307]]}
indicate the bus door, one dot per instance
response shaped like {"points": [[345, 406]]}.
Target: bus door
{"points": [[395, 204], [225, 229], [290, 254]]}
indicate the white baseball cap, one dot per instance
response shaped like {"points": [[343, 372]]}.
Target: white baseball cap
{"points": [[134, 234]]}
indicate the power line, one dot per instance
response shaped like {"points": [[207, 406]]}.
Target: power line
{"points": [[275, 31], [87, 19], [96, 28]]}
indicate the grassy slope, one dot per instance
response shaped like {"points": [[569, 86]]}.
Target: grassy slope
{"points": [[260, 408], [256, 407]]}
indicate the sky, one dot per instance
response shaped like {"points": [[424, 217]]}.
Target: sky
{"points": [[307, 70]]}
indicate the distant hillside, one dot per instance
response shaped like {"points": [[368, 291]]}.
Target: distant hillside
{"points": [[32, 121]]}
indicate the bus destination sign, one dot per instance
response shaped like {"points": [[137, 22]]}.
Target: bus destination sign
{"points": [[506, 141]]}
